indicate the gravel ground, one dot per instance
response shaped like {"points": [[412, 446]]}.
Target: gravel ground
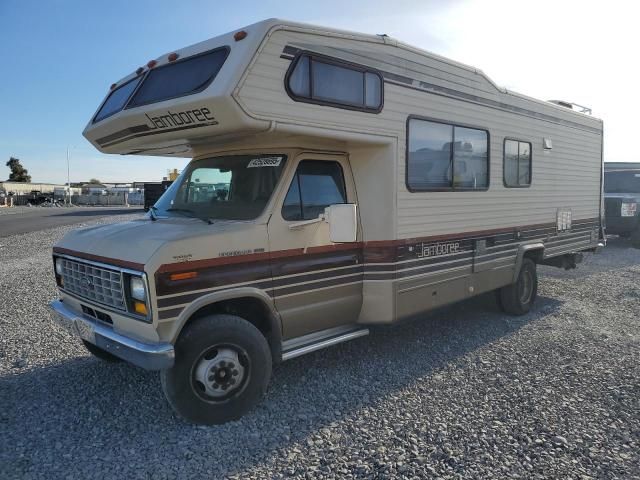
{"points": [[466, 392]]}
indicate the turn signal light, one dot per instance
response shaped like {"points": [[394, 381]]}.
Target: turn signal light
{"points": [[173, 57], [140, 308], [183, 275], [151, 63]]}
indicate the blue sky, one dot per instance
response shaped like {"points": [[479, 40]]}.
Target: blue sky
{"points": [[60, 56]]}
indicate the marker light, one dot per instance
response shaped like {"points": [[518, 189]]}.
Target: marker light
{"points": [[140, 308], [151, 63], [113, 85], [183, 276], [173, 57], [241, 35], [139, 70]]}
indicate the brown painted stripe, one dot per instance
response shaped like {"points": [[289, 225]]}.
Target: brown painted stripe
{"points": [[375, 251], [211, 277], [190, 297], [156, 132], [97, 258], [124, 132], [174, 312], [328, 283]]}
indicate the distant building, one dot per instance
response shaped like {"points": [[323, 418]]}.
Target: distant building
{"points": [[24, 188]]}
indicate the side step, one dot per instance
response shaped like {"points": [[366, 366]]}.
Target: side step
{"points": [[315, 341]]}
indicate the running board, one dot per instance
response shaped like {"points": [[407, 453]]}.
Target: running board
{"points": [[315, 341]]}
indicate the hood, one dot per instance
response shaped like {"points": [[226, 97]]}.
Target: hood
{"points": [[137, 241]]}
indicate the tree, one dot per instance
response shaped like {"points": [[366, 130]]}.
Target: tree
{"points": [[18, 172], [94, 181]]}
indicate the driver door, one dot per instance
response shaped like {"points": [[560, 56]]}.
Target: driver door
{"points": [[317, 283]]}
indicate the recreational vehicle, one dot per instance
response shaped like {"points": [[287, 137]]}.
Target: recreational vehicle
{"points": [[338, 181]]}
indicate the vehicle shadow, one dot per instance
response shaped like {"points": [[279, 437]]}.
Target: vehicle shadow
{"points": [[100, 414]]}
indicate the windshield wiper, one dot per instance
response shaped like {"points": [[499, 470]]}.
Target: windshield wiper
{"points": [[189, 213]]}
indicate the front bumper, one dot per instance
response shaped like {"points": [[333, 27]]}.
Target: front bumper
{"points": [[150, 356]]}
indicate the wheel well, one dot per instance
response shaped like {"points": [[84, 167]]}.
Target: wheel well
{"points": [[535, 254], [254, 311]]}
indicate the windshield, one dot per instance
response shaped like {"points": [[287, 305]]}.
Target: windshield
{"points": [[622, 182], [223, 188]]}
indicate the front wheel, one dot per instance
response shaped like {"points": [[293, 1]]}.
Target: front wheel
{"points": [[222, 369], [517, 298]]}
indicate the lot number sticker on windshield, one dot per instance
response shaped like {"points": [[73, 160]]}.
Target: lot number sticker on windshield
{"points": [[265, 162]]}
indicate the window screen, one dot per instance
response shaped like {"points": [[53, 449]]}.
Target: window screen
{"points": [[517, 163], [183, 77], [332, 82], [316, 185], [444, 157], [117, 99]]}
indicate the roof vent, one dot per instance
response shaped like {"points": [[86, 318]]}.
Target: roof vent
{"points": [[572, 106]]}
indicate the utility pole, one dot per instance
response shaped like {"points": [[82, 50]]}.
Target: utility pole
{"points": [[68, 176]]}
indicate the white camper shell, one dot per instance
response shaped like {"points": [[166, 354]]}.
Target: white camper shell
{"points": [[338, 180]]}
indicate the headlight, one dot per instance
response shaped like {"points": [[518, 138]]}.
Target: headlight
{"points": [[59, 268], [137, 289], [628, 209]]}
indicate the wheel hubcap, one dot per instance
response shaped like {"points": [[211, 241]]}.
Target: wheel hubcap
{"points": [[526, 286], [219, 372]]}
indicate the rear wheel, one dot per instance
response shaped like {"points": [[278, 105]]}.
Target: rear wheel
{"points": [[100, 353], [517, 298], [222, 369]]}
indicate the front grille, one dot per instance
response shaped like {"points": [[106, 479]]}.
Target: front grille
{"points": [[96, 284]]}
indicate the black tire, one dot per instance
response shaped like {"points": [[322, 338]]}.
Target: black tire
{"points": [[201, 348], [517, 298], [100, 353], [635, 238]]}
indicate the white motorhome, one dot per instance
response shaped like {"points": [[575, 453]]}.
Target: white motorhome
{"points": [[338, 181]]}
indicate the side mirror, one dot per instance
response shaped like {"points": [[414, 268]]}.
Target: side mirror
{"points": [[343, 222]]}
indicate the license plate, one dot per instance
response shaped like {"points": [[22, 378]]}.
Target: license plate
{"points": [[77, 328], [85, 331]]}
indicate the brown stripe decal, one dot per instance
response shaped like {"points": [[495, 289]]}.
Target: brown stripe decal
{"points": [[174, 312], [154, 132], [292, 271], [97, 258]]}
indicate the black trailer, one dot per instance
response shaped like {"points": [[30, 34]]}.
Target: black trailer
{"points": [[153, 191]]}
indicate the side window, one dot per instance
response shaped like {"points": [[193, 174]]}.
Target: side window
{"points": [[517, 163], [316, 185], [328, 81], [441, 156]]}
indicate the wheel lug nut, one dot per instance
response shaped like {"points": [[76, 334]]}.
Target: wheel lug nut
{"points": [[231, 365], [215, 385], [224, 387], [235, 373], [222, 364], [232, 381], [212, 378]]}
